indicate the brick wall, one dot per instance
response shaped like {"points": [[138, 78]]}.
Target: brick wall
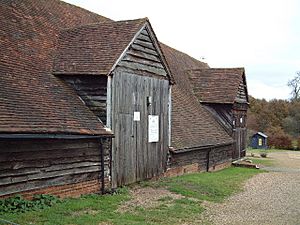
{"points": [[68, 190]]}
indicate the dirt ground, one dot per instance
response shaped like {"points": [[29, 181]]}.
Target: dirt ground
{"points": [[271, 198], [147, 197]]}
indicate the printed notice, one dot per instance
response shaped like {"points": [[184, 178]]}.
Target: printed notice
{"points": [[153, 126], [136, 116]]}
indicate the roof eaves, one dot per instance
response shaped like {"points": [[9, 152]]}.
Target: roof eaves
{"points": [[142, 26], [159, 49], [201, 147]]}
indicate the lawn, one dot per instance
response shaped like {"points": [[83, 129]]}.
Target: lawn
{"points": [[258, 151], [263, 161], [105, 209]]}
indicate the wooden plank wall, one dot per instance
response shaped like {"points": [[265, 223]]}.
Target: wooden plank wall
{"points": [[38, 163], [139, 74], [217, 155], [134, 158], [92, 90], [223, 114], [241, 95]]}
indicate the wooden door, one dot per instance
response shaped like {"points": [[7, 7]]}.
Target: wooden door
{"points": [[133, 157], [240, 135]]}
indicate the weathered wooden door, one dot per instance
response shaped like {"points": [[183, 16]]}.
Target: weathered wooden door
{"points": [[240, 145], [133, 157]]}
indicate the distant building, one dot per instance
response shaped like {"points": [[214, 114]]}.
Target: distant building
{"points": [[259, 140], [223, 92]]}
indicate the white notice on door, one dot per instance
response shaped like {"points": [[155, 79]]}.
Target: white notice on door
{"points": [[153, 128], [136, 116]]}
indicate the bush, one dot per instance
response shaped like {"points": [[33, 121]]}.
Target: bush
{"points": [[281, 141], [18, 204]]}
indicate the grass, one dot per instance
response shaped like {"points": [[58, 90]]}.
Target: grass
{"points": [[214, 186], [263, 161], [97, 209], [258, 151]]}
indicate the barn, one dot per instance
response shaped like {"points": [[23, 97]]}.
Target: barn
{"points": [[223, 92], [69, 80], [120, 73], [88, 103], [198, 141]]}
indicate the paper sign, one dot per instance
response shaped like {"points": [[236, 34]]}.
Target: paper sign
{"points": [[153, 128], [136, 116]]}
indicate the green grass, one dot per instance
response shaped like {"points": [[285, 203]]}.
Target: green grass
{"points": [[97, 209], [258, 151], [213, 186], [263, 161]]}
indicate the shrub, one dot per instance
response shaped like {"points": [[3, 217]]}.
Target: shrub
{"points": [[18, 204], [280, 141]]}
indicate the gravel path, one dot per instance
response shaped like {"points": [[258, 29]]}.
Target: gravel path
{"points": [[269, 199]]}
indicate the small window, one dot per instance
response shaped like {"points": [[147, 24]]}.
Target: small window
{"points": [[259, 142], [241, 120]]}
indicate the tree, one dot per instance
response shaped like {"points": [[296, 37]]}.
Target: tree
{"points": [[294, 84]]}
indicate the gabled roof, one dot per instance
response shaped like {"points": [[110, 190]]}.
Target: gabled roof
{"points": [[97, 48], [192, 125], [261, 134], [217, 85], [94, 48], [32, 100]]}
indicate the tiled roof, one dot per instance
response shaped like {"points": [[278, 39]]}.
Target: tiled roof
{"points": [[94, 48], [32, 100], [216, 85], [192, 125]]}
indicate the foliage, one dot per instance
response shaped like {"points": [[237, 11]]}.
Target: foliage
{"points": [[19, 204], [281, 141], [104, 209], [279, 119]]}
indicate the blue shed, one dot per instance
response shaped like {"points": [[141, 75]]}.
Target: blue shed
{"points": [[259, 140]]}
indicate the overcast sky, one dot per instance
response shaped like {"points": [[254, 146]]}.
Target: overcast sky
{"points": [[261, 35]]}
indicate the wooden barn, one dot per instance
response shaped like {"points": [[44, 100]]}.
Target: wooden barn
{"points": [[199, 142], [88, 103], [119, 71], [69, 80], [259, 141], [50, 142], [223, 91]]}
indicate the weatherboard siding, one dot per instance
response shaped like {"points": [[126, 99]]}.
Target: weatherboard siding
{"points": [[27, 165], [142, 57], [203, 158], [139, 74], [241, 94], [93, 92]]}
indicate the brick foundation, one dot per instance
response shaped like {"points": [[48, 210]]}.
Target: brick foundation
{"points": [[192, 168], [68, 190], [178, 171], [220, 166]]}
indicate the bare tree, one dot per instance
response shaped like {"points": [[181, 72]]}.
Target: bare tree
{"points": [[294, 84]]}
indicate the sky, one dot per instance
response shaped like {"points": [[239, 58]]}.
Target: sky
{"points": [[261, 35]]}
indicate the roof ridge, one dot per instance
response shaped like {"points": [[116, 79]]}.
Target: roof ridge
{"points": [[145, 19], [183, 53]]}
